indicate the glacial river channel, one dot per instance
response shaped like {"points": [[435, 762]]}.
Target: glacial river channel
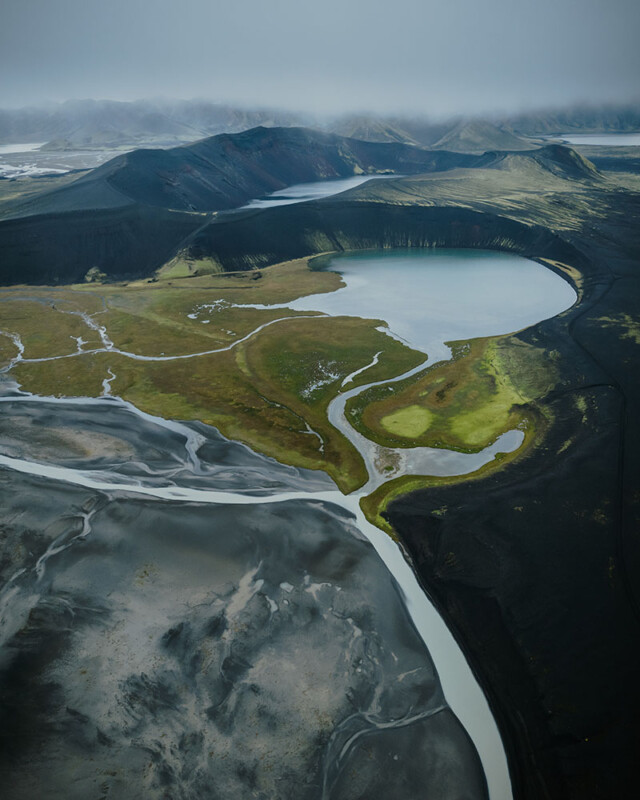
{"points": [[426, 298]]}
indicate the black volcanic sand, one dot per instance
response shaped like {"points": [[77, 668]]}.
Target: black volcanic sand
{"points": [[163, 649], [537, 568]]}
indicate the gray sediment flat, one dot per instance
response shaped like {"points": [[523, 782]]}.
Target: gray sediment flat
{"points": [[197, 650]]}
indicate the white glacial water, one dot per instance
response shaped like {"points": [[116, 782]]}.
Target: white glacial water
{"points": [[610, 139]]}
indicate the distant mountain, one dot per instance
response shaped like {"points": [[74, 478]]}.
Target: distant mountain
{"points": [[226, 171], [106, 123], [371, 129], [581, 119], [417, 131], [478, 136], [425, 131]]}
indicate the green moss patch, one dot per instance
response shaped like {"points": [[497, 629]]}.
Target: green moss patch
{"points": [[409, 422]]}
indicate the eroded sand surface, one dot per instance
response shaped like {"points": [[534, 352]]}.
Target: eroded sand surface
{"points": [[156, 648]]}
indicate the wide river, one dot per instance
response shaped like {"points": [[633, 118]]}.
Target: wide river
{"points": [[427, 298]]}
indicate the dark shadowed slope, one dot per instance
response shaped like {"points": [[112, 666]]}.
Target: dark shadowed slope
{"points": [[61, 248], [139, 236], [96, 221]]}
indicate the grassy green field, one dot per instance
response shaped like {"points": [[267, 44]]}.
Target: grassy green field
{"points": [[464, 404], [44, 327], [375, 504], [491, 386], [271, 391]]}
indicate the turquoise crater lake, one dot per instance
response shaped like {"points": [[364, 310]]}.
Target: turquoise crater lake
{"points": [[432, 296]]}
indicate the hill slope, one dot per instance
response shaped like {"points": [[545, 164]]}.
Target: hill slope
{"points": [[478, 136], [154, 198], [559, 160]]}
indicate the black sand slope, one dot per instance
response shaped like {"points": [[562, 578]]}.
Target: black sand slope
{"points": [[538, 566], [60, 248], [280, 234]]}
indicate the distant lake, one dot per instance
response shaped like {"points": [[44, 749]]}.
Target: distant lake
{"points": [[611, 139], [19, 148], [300, 192], [19, 160]]}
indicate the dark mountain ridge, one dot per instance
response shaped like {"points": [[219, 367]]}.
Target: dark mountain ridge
{"points": [[228, 170], [134, 213]]}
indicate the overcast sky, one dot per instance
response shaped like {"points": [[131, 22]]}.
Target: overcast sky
{"points": [[423, 56]]}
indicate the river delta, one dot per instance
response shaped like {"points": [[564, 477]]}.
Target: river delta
{"points": [[231, 621]]}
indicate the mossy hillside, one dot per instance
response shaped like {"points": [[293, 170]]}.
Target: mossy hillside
{"points": [[184, 267]]}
